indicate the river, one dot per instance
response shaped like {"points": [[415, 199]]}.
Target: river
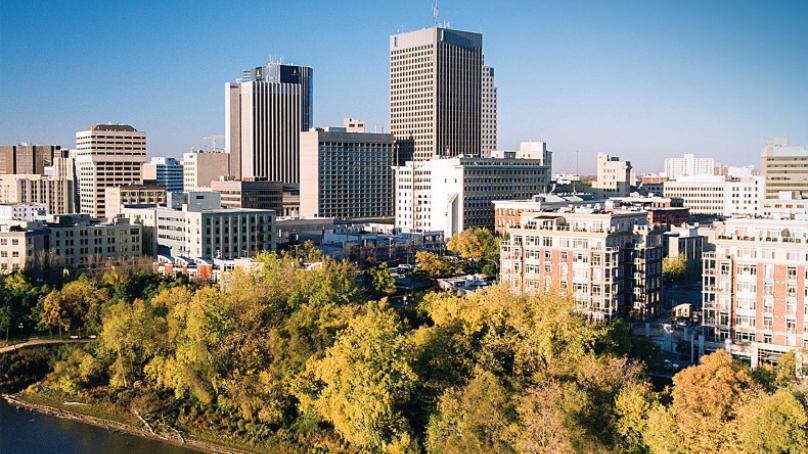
{"points": [[27, 432]]}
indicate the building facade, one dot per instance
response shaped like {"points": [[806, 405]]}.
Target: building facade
{"points": [[263, 195], [265, 112], [488, 123], [785, 167], [688, 166], [714, 195], [164, 171], [200, 168], [610, 263], [107, 156], [28, 159], [613, 176], [351, 174], [452, 194], [58, 195], [436, 91], [132, 194], [754, 288]]}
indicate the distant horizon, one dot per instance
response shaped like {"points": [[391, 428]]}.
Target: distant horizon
{"points": [[643, 82]]}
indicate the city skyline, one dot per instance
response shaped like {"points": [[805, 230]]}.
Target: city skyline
{"points": [[689, 86]]}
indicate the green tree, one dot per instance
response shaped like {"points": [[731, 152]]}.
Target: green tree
{"points": [[674, 270], [775, 423], [366, 377], [381, 281], [133, 334], [432, 264], [478, 246]]}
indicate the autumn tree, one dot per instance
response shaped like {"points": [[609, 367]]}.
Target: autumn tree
{"points": [[432, 264], [674, 270], [365, 379], [775, 423], [704, 410], [381, 281], [478, 246]]}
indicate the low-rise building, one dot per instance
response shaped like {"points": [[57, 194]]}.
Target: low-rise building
{"points": [[508, 213], [258, 194], [614, 176], [715, 195], [453, 194], [132, 194], [609, 262], [22, 212], [195, 226], [73, 240], [788, 205], [754, 288]]}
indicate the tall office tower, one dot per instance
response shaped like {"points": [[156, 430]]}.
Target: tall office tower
{"points": [[164, 171], [265, 112], [785, 167], [351, 173], [488, 125], [28, 159], [436, 91], [108, 155], [614, 176], [688, 166], [199, 168]]}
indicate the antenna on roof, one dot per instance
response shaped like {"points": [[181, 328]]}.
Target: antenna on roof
{"points": [[435, 12]]}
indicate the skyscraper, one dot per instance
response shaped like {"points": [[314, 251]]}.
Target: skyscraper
{"points": [[265, 111], [488, 141], [28, 159], [436, 91], [108, 155]]}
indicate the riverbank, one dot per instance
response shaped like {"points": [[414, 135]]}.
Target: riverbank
{"points": [[58, 410]]}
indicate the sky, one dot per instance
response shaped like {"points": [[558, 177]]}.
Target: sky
{"points": [[641, 80]]}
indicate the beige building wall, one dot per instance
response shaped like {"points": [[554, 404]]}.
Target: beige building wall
{"points": [[57, 195], [202, 167], [107, 156], [117, 197]]}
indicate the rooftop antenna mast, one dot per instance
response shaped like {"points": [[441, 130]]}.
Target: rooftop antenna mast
{"points": [[435, 12]]}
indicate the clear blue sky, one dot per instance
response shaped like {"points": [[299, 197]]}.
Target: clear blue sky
{"points": [[643, 80]]}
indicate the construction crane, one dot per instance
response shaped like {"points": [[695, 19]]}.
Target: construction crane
{"points": [[213, 138]]}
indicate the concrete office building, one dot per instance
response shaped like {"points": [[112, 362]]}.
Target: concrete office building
{"points": [[108, 155], [610, 262], [263, 195], [488, 124], [754, 288], [132, 194], [265, 112], [29, 212], [195, 226], [200, 168], [164, 171], [614, 177], [73, 240], [351, 174], [28, 159], [452, 194], [785, 167], [436, 91], [788, 205], [688, 166], [58, 195], [713, 195]]}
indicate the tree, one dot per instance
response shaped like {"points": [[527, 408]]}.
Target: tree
{"points": [[705, 403], [381, 281], [133, 335], [54, 312], [479, 246], [432, 264], [674, 270], [775, 423], [365, 378]]}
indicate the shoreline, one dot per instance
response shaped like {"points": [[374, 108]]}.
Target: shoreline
{"points": [[115, 426]]}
